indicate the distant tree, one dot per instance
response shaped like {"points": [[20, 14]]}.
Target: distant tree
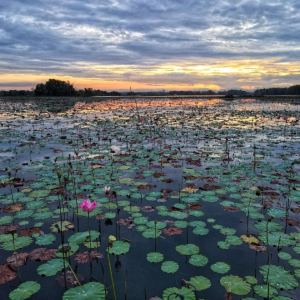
{"points": [[88, 92], [237, 92], [40, 90], [294, 90], [55, 87]]}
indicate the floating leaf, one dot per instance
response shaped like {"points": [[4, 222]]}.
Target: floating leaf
{"points": [[151, 233], [61, 226], [45, 239], [198, 260], [119, 248], [278, 277], [251, 279], [155, 257], [199, 283], [284, 255], [25, 290], [81, 237], [220, 267], [237, 285], [173, 292], [18, 243], [6, 220], [250, 239], [88, 291], [51, 267], [6, 273], [188, 249], [169, 266], [66, 250], [265, 291]]}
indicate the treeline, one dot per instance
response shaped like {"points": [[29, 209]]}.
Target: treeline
{"points": [[292, 90], [54, 87], [16, 93], [210, 92]]}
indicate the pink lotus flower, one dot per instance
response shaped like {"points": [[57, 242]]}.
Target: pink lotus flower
{"points": [[106, 189], [87, 206]]}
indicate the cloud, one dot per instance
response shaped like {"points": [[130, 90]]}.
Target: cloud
{"points": [[71, 37]]}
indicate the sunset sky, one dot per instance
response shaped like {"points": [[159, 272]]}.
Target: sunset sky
{"points": [[150, 45]]}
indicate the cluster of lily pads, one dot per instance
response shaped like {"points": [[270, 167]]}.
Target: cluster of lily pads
{"points": [[203, 194]]}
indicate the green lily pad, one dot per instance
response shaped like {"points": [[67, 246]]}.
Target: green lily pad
{"points": [[284, 255], [278, 277], [169, 266], [199, 283], [181, 224], [227, 231], [6, 220], [88, 291], [19, 242], [140, 220], [294, 262], [66, 250], [81, 237], [265, 290], [159, 225], [220, 267], [39, 194], [119, 248], [45, 239], [26, 213], [236, 284], [277, 238], [188, 249], [251, 279], [25, 290], [155, 257], [198, 260], [174, 293], [151, 233], [178, 215], [200, 230], [51, 267], [272, 226]]}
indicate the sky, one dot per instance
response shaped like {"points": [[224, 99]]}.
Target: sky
{"points": [[150, 44]]}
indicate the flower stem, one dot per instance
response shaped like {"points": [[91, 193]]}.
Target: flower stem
{"points": [[111, 276], [73, 272]]}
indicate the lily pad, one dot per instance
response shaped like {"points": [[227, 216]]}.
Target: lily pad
{"points": [[174, 293], [45, 239], [199, 283], [25, 290], [155, 257], [188, 249], [88, 291], [278, 277], [119, 248], [265, 290], [220, 267], [169, 266], [198, 260], [51, 267], [19, 242], [237, 285]]}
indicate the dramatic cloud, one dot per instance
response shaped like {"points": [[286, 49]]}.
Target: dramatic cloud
{"points": [[187, 43]]}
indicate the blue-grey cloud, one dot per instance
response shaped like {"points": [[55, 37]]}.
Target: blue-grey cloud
{"points": [[38, 36]]}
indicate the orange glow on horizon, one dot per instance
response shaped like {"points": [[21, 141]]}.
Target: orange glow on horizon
{"points": [[210, 75]]}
